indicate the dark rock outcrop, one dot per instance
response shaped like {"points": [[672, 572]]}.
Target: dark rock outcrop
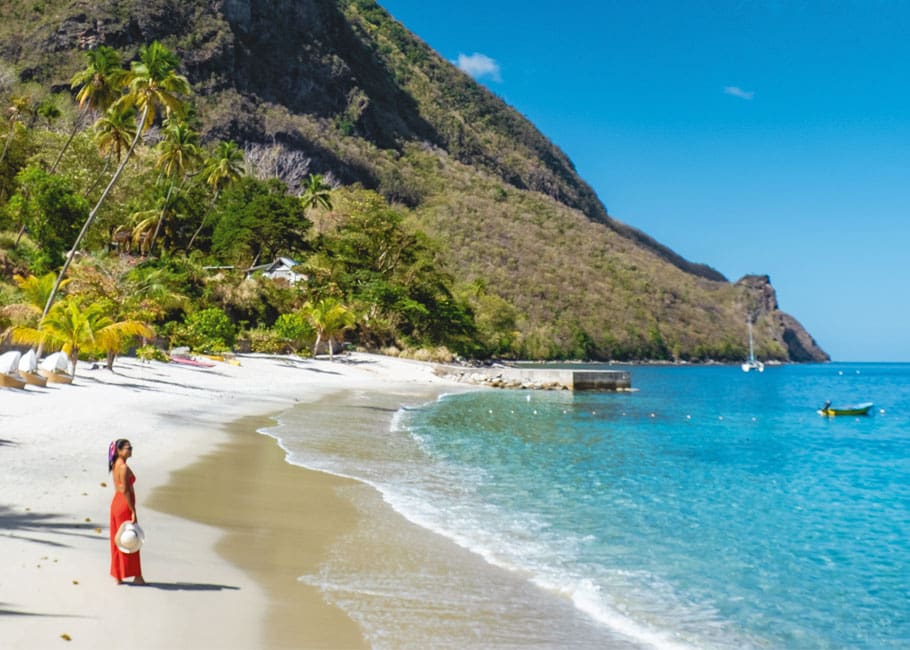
{"points": [[761, 306]]}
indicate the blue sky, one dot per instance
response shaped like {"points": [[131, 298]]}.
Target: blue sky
{"points": [[756, 137]]}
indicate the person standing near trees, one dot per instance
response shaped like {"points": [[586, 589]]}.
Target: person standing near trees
{"points": [[123, 509]]}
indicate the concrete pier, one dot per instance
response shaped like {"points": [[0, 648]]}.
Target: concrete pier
{"points": [[541, 378]]}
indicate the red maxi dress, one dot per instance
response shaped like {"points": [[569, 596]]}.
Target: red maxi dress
{"points": [[123, 565]]}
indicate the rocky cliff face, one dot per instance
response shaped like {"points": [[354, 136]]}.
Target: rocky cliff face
{"points": [[784, 329]]}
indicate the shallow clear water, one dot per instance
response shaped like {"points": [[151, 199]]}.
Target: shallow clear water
{"points": [[710, 508]]}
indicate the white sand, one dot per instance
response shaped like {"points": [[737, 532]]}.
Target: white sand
{"points": [[55, 492]]}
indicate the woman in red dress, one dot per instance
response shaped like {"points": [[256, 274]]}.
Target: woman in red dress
{"points": [[123, 508]]}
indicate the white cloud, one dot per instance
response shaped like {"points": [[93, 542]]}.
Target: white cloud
{"points": [[739, 92], [479, 66]]}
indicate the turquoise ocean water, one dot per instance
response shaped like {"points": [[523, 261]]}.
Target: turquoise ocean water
{"points": [[709, 508]]}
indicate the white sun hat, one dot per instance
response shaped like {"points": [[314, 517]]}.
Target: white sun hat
{"points": [[129, 537]]}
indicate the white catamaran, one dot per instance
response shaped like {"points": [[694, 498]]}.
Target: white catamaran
{"points": [[752, 364]]}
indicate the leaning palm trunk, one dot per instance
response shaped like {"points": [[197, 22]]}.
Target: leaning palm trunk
{"points": [[167, 200], [201, 224], [94, 212], [69, 140], [107, 163], [66, 146]]}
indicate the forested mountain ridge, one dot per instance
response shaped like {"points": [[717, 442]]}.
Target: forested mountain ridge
{"points": [[341, 89]]}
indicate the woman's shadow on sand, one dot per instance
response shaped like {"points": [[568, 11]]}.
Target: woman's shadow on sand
{"points": [[185, 586]]}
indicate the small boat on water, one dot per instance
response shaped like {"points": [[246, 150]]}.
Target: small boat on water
{"points": [[856, 409], [752, 363]]}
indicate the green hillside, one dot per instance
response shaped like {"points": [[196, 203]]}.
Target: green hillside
{"points": [[515, 238]]}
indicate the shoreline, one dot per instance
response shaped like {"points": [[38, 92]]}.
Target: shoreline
{"points": [[278, 521], [404, 583], [55, 493]]}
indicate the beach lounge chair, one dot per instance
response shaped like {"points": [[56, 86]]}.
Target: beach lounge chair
{"points": [[28, 369], [9, 370], [54, 368]]}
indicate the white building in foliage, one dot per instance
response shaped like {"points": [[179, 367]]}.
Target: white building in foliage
{"points": [[282, 267]]}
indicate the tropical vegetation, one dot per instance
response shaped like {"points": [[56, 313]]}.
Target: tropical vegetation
{"points": [[173, 246]]}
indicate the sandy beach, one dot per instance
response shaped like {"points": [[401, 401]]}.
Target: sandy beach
{"points": [[222, 573]]}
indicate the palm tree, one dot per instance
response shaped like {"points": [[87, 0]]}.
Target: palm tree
{"points": [[113, 134], [101, 81], [221, 168], [74, 329], [142, 224], [177, 154], [153, 85], [179, 150], [100, 84], [112, 337], [115, 130], [317, 193], [150, 293], [35, 289], [330, 318]]}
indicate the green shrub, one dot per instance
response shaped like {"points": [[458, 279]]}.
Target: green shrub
{"points": [[266, 341], [294, 330], [208, 330], [151, 353]]}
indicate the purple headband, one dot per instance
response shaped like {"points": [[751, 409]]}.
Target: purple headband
{"points": [[111, 452]]}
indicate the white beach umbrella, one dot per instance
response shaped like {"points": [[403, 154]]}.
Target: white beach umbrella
{"points": [[29, 362], [56, 362], [9, 362]]}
